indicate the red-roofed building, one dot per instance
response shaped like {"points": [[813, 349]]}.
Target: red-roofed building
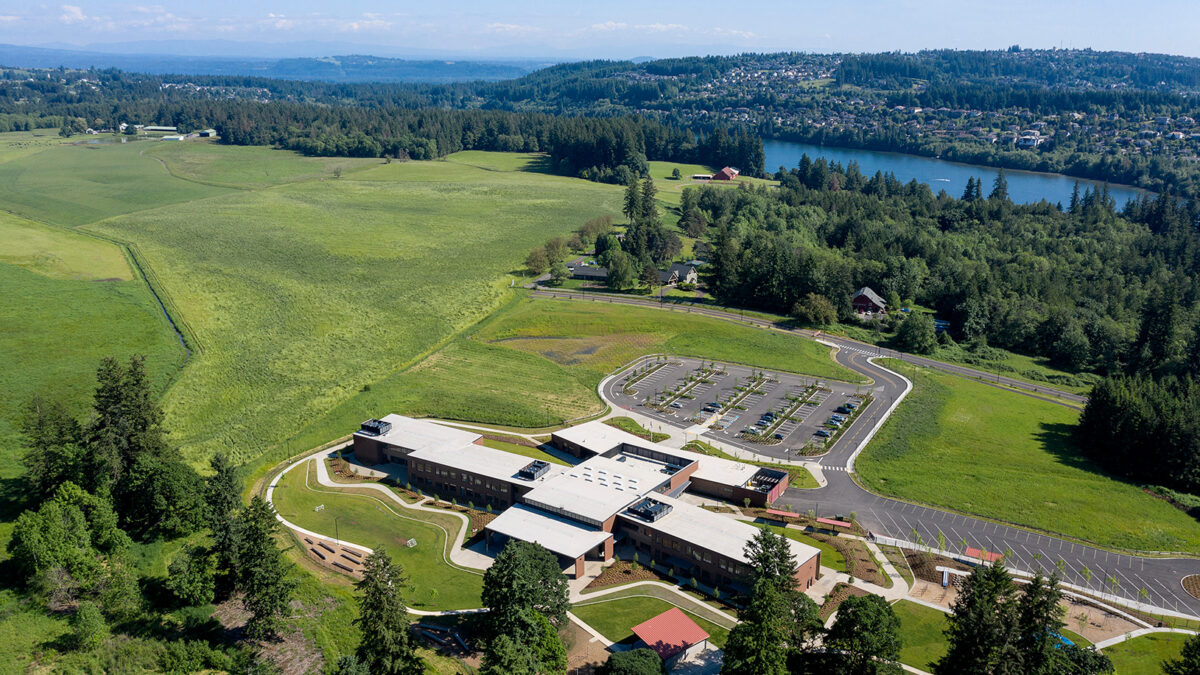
{"points": [[672, 634], [728, 173]]}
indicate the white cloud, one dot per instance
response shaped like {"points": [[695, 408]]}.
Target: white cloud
{"points": [[663, 28], [511, 29], [8, 18], [72, 14], [733, 32], [608, 26], [366, 24]]}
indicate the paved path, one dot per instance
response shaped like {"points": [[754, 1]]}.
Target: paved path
{"points": [[1148, 583]]}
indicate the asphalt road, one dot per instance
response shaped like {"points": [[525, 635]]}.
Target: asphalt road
{"points": [[1149, 580]]}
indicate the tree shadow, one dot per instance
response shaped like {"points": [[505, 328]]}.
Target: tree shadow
{"points": [[1058, 439], [539, 164]]}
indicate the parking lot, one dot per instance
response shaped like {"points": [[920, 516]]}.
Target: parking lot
{"points": [[725, 400]]}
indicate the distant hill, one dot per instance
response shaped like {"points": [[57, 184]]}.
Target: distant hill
{"points": [[354, 68]]}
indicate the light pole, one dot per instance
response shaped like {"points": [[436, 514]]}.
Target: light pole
{"points": [[336, 537]]}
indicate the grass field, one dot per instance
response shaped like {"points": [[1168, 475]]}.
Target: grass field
{"points": [[301, 295], [249, 167], [1144, 655], [830, 556], [921, 634], [370, 522], [614, 618], [60, 254], [968, 447]]}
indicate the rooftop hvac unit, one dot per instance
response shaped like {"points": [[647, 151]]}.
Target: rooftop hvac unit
{"points": [[534, 470], [375, 427], [650, 510]]}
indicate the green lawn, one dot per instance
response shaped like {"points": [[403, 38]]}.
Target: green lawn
{"points": [[58, 253], [374, 523], [614, 618], [965, 446], [249, 167], [921, 634], [1144, 655], [830, 556], [524, 451], [628, 424]]}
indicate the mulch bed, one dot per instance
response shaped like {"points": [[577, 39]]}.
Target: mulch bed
{"points": [[340, 471], [623, 572], [1191, 584], [859, 562], [924, 565], [479, 519], [837, 597]]}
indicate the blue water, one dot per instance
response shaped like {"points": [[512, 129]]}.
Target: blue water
{"points": [[1023, 186]]}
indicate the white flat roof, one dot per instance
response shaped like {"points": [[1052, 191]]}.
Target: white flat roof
{"points": [[414, 434], [598, 436], [483, 460], [715, 532], [718, 469], [597, 488], [560, 535]]}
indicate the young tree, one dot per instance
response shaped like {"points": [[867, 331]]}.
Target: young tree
{"points": [[190, 576], [88, 629], [676, 174], [524, 576], [867, 633], [537, 261], [387, 644], [262, 577]]}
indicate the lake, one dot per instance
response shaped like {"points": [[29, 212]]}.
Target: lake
{"points": [[1023, 186]]}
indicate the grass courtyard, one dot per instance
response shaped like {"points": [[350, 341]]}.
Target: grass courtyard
{"points": [[1144, 655], [969, 447], [372, 522], [922, 636], [615, 618]]}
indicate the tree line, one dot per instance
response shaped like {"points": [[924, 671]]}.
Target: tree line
{"points": [[96, 486]]}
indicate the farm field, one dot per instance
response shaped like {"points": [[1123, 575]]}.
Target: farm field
{"points": [[921, 634], [369, 521], [1144, 655], [931, 450], [247, 167], [614, 618]]}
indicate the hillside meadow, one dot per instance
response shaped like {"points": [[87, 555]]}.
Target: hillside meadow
{"points": [[972, 448]]}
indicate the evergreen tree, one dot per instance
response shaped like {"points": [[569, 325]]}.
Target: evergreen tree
{"points": [[999, 187], [1188, 662], [524, 576], [867, 636], [1039, 619], [969, 193], [770, 557], [53, 452], [387, 644], [982, 631], [621, 270], [504, 656], [1074, 204], [757, 644], [633, 201], [223, 497], [649, 206], [262, 577], [650, 277]]}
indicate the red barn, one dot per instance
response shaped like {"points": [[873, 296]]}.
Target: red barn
{"points": [[867, 301], [728, 173]]}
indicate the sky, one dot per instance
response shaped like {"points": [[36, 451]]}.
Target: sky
{"points": [[606, 29]]}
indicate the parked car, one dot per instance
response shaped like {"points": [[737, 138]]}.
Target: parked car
{"points": [[677, 405], [833, 423], [823, 433], [851, 405], [718, 405], [838, 418], [844, 410], [779, 437]]}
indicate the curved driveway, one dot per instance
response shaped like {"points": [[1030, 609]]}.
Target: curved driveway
{"points": [[1153, 581]]}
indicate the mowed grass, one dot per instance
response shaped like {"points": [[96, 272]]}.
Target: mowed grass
{"points": [[963, 445], [669, 189], [922, 635], [58, 253], [15, 144], [599, 337], [248, 167], [1144, 655], [614, 619], [71, 185], [830, 556], [369, 521], [301, 296]]}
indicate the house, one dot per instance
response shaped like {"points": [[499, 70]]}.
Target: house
{"points": [[678, 273], [867, 301], [728, 173], [672, 635], [589, 272]]}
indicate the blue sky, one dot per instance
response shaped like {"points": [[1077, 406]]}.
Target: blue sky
{"points": [[614, 28]]}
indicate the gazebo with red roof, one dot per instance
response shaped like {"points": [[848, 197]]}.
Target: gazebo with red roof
{"points": [[670, 634]]}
